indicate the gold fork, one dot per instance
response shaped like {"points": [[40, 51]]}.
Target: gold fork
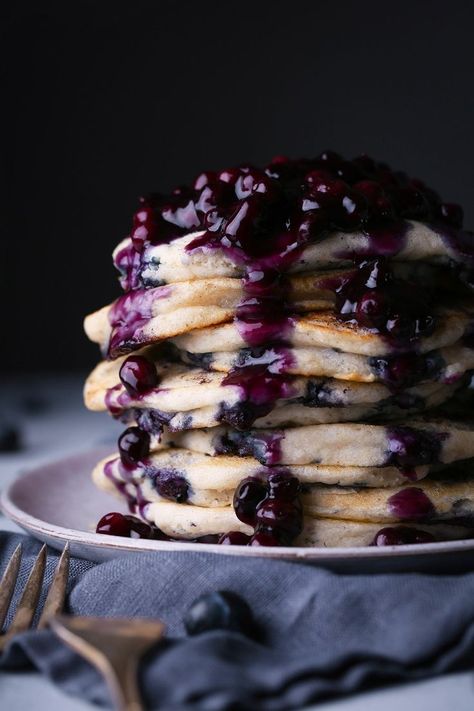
{"points": [[28, 603], [113, 646]]}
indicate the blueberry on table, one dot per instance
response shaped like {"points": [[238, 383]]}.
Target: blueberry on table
{"points": [[221, 610]]}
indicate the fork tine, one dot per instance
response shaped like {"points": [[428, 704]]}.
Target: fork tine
{"points": [[7, 584], [57, 592], [30, 596]]}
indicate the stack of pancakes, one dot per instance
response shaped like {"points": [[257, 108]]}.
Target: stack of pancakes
{"points": [[286, 356]]}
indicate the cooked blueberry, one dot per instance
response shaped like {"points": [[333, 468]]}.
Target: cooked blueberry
{"points": [[138, 375], [250, 492], [170, 485], [401, 535], [264, 538], [234, 538], [410, 503], [139, 529], [282, 485], [114, 524], [133, 445], [221, 610], [281, 516], [350, 211]]}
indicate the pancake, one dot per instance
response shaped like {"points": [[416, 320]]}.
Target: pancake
{"points": [[224, 473], [329, 533], [185, 521], [176, 308], [173, 262], [446, 364], [324, 330], [183, 389], [428, 500], [201, 329], [357, 493], [405, 444], [242, 415]]}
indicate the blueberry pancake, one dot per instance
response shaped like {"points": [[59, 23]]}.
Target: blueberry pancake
{"points": [[190, 398], [292, 360]]}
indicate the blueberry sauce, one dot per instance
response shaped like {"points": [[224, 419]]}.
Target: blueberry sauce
{"points": [[260, 389], [263, 219], [127, 316], [271, 213], [410, 503], [269, 503], [371, 297], [401, 535]]}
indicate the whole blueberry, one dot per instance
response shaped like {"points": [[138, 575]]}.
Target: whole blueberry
{"points": [[220, 610], [234, 538], [249, 493], [138, 375], [133, 445], [115, 524]]}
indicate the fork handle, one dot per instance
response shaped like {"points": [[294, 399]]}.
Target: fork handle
{"points": [[122, 681]]}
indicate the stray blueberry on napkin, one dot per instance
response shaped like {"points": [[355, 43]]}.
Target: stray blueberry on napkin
{"points": [[221, 610]]}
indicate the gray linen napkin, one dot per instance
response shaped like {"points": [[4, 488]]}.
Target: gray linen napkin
{"points": [[324, 634]]}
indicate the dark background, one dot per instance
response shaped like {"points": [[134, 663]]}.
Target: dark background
{"points": [[103, 101]]}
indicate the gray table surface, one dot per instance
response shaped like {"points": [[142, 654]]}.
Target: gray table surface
{"points": [[63, 427]]}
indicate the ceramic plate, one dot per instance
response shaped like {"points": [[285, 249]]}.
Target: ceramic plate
{"points": [[58, 502]]}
